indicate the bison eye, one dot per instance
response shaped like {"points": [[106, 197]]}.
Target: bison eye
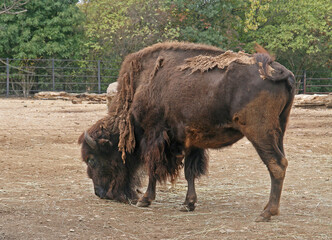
{"points": [[92, 162]]}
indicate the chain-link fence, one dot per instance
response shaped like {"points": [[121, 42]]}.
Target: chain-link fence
{"points": [[25, 77], [22, 77]]}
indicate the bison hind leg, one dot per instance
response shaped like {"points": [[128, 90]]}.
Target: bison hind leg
{"points": [[269, 148]]}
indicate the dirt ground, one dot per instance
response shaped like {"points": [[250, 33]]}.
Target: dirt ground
{"points": [[45, 192]]}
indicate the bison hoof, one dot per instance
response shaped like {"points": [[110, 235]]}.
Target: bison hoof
{"points": [[263, 219], [133, 201], [187, 207], [143, 203]]}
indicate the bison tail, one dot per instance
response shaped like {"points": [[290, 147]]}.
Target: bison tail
{"points": [[280, 73], [274, 71]]}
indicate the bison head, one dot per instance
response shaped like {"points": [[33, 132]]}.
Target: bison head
{"points": [[112, 178]]}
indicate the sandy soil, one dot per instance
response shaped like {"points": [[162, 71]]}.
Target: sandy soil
{"points": [[45, 192]]}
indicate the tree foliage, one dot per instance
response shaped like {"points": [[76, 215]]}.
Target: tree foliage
{"points": [[297, 31], [115, 28], [13, 6], [48, 29], [213, 22], [254, 16]]}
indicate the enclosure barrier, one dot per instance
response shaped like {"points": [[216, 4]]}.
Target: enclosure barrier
{"points": [[25, 77]]}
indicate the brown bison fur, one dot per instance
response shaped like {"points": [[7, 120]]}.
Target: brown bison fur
{"points": [[123, 156], [137, 69], [168, 109], [205, 63], [212, 104], [112, 178], [260, 49]]}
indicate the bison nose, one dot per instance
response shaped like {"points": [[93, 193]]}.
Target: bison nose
{"points": [[100, 192]]}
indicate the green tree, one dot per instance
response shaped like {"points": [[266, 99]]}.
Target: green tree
{"points": [[298, 32], [254, 16], [213, 22], [13, 6], [47, 29], [115, 28]]}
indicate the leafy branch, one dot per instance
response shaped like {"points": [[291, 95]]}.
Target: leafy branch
{"points": [[13, 7], [18, 68]]}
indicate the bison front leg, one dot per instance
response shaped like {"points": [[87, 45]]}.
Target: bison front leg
{"points": [[150, 193], [191, 197], [195, 165]]}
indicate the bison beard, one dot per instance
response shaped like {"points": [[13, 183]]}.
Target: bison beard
{"points": [[176, 100]]}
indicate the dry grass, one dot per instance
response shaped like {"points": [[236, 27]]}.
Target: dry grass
{"points": [[45, 193]]}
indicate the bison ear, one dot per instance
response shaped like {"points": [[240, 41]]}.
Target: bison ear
{"points": [[89, 140]]}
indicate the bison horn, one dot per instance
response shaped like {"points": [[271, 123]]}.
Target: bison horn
{"points": [[92, 143]]}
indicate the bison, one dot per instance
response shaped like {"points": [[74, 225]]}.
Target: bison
{"points": [[175, 100]]}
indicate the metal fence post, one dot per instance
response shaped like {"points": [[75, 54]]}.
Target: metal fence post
{"points": [[53, 79], [304, 82], [99, 82], [7, 84]]}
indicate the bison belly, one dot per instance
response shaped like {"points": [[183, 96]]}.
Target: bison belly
{"points": [[211, 138]]}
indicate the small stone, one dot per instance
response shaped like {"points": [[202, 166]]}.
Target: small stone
{"points": [[76, 101]]}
